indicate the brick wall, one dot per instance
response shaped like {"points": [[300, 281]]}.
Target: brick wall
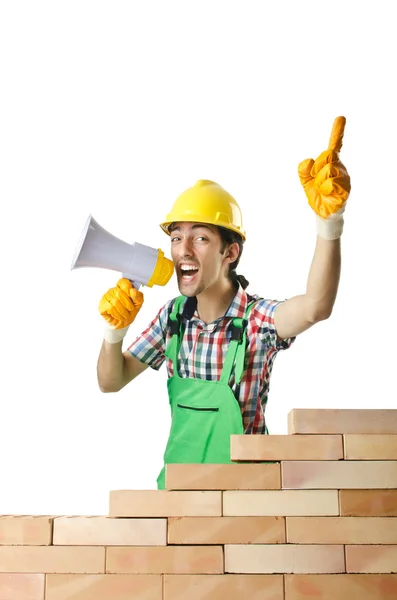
{"points": [[311, 514]]}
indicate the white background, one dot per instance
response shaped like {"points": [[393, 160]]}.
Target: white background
{"points": [[114, 108]]}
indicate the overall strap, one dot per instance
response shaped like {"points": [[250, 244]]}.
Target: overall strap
{"points": [[175, 324], [237, 346]]}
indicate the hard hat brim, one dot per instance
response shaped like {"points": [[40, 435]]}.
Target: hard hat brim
{"points": [[199, 219]]}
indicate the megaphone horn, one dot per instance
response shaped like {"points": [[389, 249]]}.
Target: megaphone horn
{"points": [[141, 264]]}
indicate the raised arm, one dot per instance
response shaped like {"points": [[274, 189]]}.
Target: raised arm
{"points": [[327, 186]]}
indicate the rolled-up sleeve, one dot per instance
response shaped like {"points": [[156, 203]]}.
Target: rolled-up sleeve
{"points": [[263, 313], [149, 346]]}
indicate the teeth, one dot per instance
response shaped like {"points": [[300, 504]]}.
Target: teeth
{"points": [[188, 268]]}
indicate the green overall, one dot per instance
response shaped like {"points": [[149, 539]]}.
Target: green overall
{"points": [[203, 413]]}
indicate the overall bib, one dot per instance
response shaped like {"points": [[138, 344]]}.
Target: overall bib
{"points": [[204, 413]]}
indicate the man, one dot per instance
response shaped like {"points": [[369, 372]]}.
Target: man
{"points": [[219, 342]]}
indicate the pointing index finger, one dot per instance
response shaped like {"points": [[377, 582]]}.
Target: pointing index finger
{"points": [[336, 139]]}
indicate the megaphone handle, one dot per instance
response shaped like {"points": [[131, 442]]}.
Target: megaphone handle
{"points": [[136, 284]]}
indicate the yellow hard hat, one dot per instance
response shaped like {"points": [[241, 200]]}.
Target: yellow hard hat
{"points": [[206, 202]]}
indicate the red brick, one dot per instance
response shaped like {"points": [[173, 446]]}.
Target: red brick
{"points": [[284, 558], [104, 587], [286, 447], [52, 559], [368, 503], [223, 587], [371, 559], [341, 530], [223, 477], [168, 559], [163, 503], [343, 474], [226, 530], [25, 530], [341, 587], [105, 531], [21, 586], [342, 420], [281, 503], [370, 447]]}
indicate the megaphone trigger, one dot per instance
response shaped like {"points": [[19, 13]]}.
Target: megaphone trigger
{"points": [[136, 284]]}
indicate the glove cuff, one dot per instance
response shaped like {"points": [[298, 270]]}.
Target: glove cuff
{"points": [[113, 336], [331, 228]]}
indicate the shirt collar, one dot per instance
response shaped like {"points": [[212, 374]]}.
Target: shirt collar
{"points": [[238, 305], [236, 308]]}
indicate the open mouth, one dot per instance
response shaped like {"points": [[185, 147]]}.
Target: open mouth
{"points": [[188, 272]]}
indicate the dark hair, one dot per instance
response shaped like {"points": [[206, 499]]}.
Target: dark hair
{"points": [[231, 237]]}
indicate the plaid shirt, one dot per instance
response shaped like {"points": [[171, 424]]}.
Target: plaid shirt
{"points": [[204, 346]]}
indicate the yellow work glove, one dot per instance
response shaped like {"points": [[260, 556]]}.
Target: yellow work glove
{"points": [[327, 184], [119, 307]]}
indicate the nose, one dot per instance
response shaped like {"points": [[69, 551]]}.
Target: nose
{"points": [[186, 248]]}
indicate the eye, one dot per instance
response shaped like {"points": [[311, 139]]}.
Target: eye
{"points": [[175, 238]]}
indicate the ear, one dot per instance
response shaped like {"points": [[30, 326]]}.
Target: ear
{"points": [[232, 252]]}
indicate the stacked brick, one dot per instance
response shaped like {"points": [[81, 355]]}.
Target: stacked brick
{"points": [[311, 514]]}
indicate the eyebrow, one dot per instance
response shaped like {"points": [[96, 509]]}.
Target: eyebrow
{"points": [[198, 226]]}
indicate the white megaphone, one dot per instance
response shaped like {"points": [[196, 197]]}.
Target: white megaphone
{"points": [[141, 264]]}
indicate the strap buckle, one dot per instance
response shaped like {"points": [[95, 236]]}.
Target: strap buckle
{"points": [[174, 324], [237, 329]]}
